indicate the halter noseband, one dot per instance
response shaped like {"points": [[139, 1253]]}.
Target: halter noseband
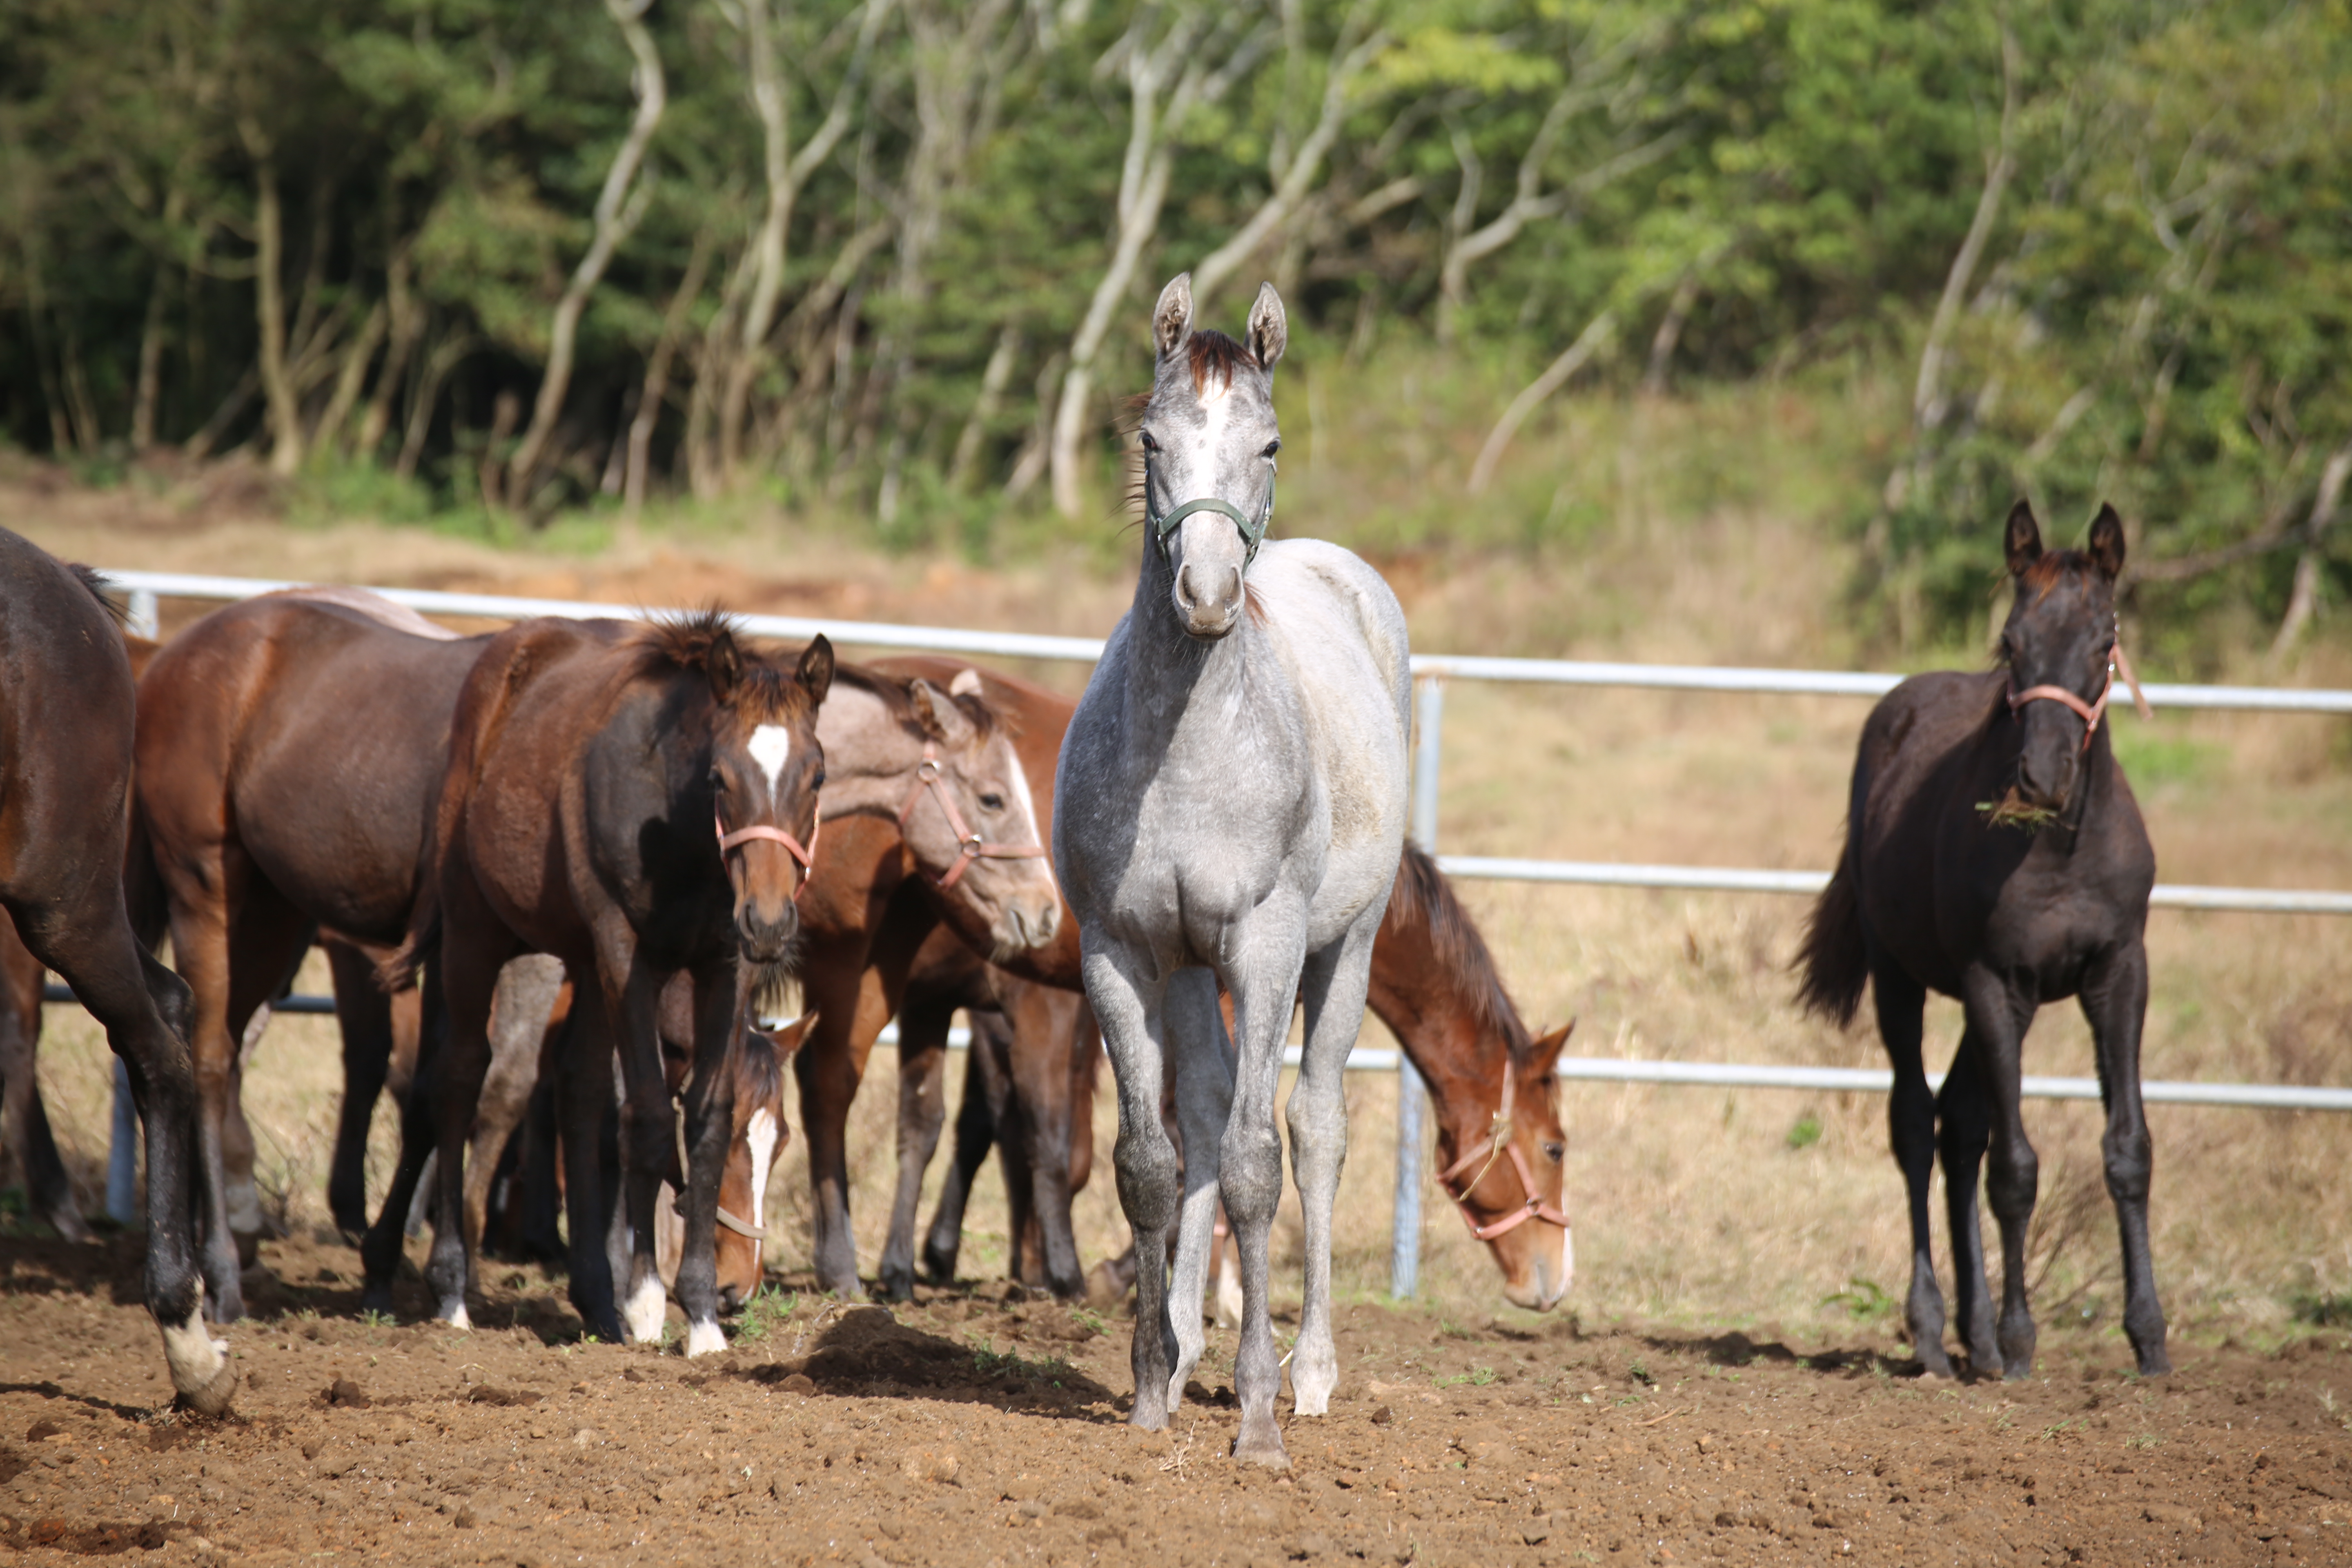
{"points": [[1498, 1143], [1162, 525], [969, 846], [807, 858], [2090, 712]]}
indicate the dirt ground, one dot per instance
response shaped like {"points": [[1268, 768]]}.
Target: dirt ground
{"points": [[977, 1428]]}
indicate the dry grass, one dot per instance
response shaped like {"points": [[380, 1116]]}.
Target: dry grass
{"points": [[1693, 1205]]}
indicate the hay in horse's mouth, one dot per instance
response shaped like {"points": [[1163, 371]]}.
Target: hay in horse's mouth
{"points": [[2013, 811]]}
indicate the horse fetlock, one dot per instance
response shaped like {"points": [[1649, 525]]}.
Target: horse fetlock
{"points": [[202, 1375], [705, 1337], [452, 1311], [645, 1306], [1314, 1376]]}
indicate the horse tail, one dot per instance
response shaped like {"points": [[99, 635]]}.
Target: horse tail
{"points": [[1832, 963], [143, 898]]}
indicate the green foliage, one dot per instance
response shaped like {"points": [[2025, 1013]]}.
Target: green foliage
{"points": [[1806, 1132], [1746, 193], [1865, 1300]]}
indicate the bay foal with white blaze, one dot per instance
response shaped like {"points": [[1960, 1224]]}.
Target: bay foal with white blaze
{"points": [[1229, 809]]}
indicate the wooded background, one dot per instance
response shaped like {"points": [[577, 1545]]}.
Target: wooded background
{"points": [[893, 256]]}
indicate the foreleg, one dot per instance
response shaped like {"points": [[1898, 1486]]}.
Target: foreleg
{"points": [[1128, 1000], [1336, 983], [1901, 1004], [2114, 1000]]}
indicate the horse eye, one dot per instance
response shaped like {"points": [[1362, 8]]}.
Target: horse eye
{"points": [[993, 802], [717, 779], [1272, 447], [1555, 1152], [1148, 443], [818, 781]]}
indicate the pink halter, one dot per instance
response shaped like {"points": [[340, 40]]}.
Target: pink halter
{"points": [[1498, 1144], [2091, 713], [970, 847], [807, 858]]}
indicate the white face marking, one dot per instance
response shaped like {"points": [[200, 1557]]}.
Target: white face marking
{"points": [[1028, 804], [769, 745], [1567, 1260], [761, 1136], [642, 1315], [1216, 403]]}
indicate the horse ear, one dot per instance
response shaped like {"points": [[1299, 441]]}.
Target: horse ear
{"points": [[789, 1037], [2108, 541], [1269, 329], [2023, 540], [724, 664], [816, 668], [1171, 318], [1547, 1047], [942, 720], [965, 684]]}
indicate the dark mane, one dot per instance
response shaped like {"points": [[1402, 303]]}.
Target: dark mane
{"points": [[1214, 353], [1423, 895], [759, 1070], [686, 643], [92, 578]]}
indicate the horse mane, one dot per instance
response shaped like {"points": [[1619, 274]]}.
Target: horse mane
{"points": [[1215, 354], [759, 1070], [677, 644], [891, 693], [1424, 894], [2052, 567], [92, 579]]}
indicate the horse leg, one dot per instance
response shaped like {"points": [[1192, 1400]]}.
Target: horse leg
{"points": [[381, 1248], [720, 997], [922, 1111], [201, 950], [366, 1013], [524, 997], [975, 1135], [1263, 981], [1043, 1024], [583, 1091], [1128, 1000], [2114, 1001], [474, 948], [648, 1129], [1901, 1005], [1964, 1123], [1998, 1017], [1204, 1102], [1337, 981], [24, 1120], [542, 1241]]}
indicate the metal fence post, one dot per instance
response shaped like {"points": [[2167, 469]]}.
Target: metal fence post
{"points": [[141, 618], [1404, 1236]]}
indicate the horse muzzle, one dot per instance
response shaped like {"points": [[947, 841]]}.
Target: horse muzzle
{"points": [[1209, 599], [765, 938], [1548, 1277]]}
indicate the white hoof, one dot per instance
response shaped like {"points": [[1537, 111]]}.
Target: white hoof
{"points": [[202, 1373], [642, 1315], [704, 1338], [456, 1316]]}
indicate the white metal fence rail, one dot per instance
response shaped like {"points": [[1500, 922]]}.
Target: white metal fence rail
{"points": [[1432, 671]]}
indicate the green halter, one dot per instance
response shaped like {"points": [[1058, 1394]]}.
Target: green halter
{"points": [[1164, 523]]}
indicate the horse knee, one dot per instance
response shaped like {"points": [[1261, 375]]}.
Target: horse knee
{"points": [[2130, 1158], [2013, 1180], [1150, 1179], [1249, 1173]]}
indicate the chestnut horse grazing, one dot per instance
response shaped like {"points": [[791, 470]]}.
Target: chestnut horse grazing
{"points": [[637, 801], [1228, 815], [68, 710], [1994, 854]]}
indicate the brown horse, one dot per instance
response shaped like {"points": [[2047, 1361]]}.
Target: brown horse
{"points": [[288, 750], [1435, 984], [757, 1138], [65, 822], [637, 801], [1994, 853]]}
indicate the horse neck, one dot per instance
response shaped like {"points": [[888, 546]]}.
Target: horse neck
{"points": [[1168, 669], [870, 756], [1430, 1010]]}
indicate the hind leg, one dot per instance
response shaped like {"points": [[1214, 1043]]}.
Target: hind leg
{"points": [[1044, 1028], [1901, 1005], [977, 1117], [1963, 1116], [923, 1022], [524, 997], [364, 1013], [1336, 981], [2114, 1000], [24, 1120]]}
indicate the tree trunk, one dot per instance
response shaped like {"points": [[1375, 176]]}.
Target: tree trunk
{"points": [[407, 326], [149, 390], [443, 359], [270, 303], [348, 382], [2302, 601], [1596, 336], [617, 212], [656, 391], [983, 409]]}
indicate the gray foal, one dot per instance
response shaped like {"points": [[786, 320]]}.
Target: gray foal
{"points": [[1229, 809]]}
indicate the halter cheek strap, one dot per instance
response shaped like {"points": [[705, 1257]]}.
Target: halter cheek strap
{"points": [[969, 846], [2090, 712], [1498, 1143], [806, 857]]}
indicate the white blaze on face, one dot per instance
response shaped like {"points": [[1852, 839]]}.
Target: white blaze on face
{"points": [[1216, 404], [761, 1135], [769, 745]]}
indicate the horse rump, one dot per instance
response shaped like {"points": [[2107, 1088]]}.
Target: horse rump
{"points": [[1831, 963]]}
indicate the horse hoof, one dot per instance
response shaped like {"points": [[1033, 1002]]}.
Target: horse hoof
{"points": [[213, 1398], [454, 1314], [894, 1286], [1265, 1452], [704, 1338]]}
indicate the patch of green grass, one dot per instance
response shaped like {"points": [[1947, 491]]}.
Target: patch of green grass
{"points": [[1476, 1377], [1864, 1300], [990, 1362], [372, 1319], [2143, 1440], [2330, 1311], [2151, 759], [1806, 1132], [764, 1312]]}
